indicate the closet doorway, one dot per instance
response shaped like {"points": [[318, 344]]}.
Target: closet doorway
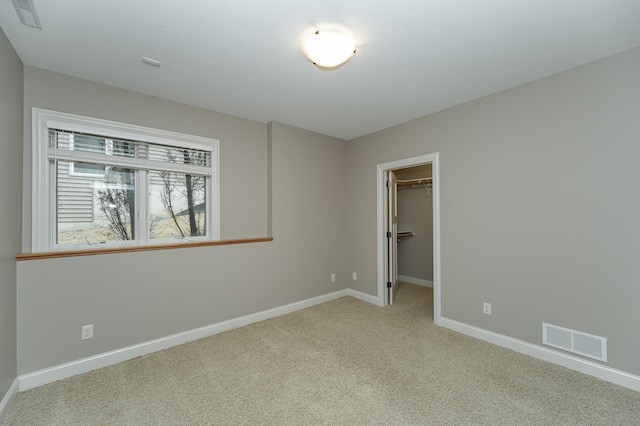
{"points": [[401, 185]]}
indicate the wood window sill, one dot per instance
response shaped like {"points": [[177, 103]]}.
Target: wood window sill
{"points": [[130, 249]]}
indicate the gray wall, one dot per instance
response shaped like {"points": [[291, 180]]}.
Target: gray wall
{"points": [[415, 214], [539, 217], [136, 297], [10, 194], [243, 147], [539, 204]]}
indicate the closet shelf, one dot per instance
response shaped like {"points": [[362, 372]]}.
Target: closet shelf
{"points": [[405, 234]]}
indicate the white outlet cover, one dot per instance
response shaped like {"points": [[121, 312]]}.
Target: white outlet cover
{"points": [[87, 332], [486, 308]]}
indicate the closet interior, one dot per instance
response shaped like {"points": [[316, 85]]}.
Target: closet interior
{"points": [[415, 225]]}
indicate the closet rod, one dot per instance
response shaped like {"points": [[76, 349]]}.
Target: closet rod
{"points": [[415, 181]]}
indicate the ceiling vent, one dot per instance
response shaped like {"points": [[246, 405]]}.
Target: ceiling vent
{"points": [[27, 13], [575, 341], [150, 61]]}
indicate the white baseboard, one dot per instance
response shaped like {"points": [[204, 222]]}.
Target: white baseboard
{"points": [[363, 296], [62, 371], [7, 397], [52, 374], [590, 368], [418, 281]]}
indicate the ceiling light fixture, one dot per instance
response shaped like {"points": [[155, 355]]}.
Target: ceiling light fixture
{"points": [[27, 13], [329, 49]]}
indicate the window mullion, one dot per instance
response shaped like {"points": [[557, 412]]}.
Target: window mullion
{"points": [[53, 199], [128, 162], [142, 203]]}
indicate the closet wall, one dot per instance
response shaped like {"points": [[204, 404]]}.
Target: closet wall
{"points": [[415, 214]]}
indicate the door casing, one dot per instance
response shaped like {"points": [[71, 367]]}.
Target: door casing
{"points": [[382, 199], [392, 236]]}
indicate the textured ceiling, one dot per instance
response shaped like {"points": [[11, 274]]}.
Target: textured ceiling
{"points": [[244, 58]]}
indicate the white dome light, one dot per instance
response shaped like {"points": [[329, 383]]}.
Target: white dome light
{"points": [[329, 49]]}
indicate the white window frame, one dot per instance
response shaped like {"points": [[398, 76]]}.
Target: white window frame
{"points": [[43, 175]]}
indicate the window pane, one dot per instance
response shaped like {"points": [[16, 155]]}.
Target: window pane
{"points": [[94, 208], [78, 168], [177, 205], [172, 154], [98, 144]]}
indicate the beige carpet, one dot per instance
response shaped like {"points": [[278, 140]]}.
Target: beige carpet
{"points": [[345, 362]]}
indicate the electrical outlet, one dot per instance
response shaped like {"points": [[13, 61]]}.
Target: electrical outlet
{"points": [[87, 332], [486, 308], [333, 278], [355, 276]]}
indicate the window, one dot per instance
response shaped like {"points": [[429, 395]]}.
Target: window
{"points": [[98, 183]]}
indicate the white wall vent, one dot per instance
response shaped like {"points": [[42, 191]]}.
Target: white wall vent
{"points": [[575, 341]]}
